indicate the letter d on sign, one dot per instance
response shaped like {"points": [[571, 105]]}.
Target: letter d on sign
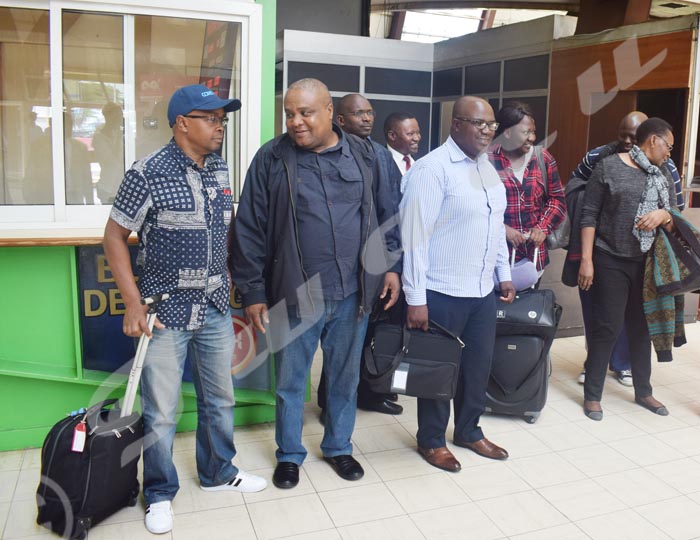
{"points": [[101, 298]]}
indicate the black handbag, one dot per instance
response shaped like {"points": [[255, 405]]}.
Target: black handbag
{"points": [[416, 363], [532, 312]]}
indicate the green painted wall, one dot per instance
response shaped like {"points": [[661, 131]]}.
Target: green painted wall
{"points": [[38, 310]]}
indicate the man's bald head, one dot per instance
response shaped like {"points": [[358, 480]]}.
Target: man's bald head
{"points": [[627, 130], [311, 86], [467, 103], [471, 139], [347, 103]]}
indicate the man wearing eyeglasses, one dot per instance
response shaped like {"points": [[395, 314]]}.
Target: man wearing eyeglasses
{"points": [[179, 201], [453, 237], [402, 135], [354, 114]]}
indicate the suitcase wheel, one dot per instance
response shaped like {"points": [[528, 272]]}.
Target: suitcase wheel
{"points": [[531, 419]]}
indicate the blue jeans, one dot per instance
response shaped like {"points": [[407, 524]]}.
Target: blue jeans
{"points": [[474, 321], [342, 331], [211, 353], [620, 357]]}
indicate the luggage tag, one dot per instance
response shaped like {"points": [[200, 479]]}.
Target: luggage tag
{"points": [[79, 437], [400, 379]]}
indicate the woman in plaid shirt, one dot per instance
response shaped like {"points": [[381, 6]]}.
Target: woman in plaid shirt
{"points": [[533, 211]]}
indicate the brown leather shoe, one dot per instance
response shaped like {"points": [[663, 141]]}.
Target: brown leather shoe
{"points": [[485, 448], [441, 458]]}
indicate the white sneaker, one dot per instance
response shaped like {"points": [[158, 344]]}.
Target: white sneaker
{"points": [[159, 517], [243, 482], [582, 377], [624, 377]]}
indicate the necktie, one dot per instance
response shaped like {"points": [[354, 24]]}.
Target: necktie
{"points": [[407, 160]]}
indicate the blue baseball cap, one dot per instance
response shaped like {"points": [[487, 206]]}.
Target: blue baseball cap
{"points": [[197, 97]]}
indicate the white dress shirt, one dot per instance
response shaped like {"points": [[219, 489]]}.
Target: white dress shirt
{"points": [[452, 226], [399, 159]]}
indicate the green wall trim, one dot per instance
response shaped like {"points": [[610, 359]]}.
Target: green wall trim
{"points": [[267, 113], [78, 342]]}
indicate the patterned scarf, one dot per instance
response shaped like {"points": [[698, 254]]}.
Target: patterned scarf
{"points": [[655, 195]]}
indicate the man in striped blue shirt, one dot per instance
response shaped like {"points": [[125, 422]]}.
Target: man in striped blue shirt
{"points": [[453, 235]]}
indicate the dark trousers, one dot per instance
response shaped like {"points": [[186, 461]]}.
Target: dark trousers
{"points": [[474, 321], [620, 357], [364, 393], [616, 301]]}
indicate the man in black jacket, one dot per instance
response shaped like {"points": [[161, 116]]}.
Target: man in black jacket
{"points": [[307, 242]]}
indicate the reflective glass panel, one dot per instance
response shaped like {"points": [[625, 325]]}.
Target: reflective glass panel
{"points": [[173, 52], [25, 153], [93, 95]]}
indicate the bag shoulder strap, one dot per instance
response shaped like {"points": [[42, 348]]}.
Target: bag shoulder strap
{"points": [[371, 366], [543, 168]]}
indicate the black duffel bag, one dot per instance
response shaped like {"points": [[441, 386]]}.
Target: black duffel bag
{"points": [[413, 362]]}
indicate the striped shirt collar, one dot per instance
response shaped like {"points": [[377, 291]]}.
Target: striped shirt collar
{"points": [[457, 154]]}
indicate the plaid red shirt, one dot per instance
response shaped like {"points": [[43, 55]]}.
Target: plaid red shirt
{"points": [[527, 205]]}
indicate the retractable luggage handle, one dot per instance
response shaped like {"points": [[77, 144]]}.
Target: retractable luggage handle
{"points": [[137, 366], [534, 256]]}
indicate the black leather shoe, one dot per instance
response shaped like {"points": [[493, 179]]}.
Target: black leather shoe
{"points": [[346, 466], [286, 475], [392, 397], [382, 405]]}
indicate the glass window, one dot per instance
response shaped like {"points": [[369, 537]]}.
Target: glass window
{"points": [[118, 72], [173, 52], [93, 94], [25, 107]]}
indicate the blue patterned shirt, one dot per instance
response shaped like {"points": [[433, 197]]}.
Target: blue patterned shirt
{"points": [[182, 214]]}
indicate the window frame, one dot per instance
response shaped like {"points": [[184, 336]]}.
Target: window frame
{"points": [[61, 219]]}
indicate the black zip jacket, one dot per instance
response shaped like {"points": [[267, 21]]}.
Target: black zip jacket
{"points": [[264, 255]]}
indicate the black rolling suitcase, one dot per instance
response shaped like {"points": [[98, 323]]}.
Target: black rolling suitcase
{"points": [[89, 460], [520, 367]]}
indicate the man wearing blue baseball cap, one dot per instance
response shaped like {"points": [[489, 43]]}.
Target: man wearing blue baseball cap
{"points": [[179, 201]]}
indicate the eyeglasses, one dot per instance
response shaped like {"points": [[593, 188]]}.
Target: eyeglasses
{"points": [[210, 119], [669, 146], [478, 123], [360, 114]]}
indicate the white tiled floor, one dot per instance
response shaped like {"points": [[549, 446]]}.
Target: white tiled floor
{"points": [[632, 476]]}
